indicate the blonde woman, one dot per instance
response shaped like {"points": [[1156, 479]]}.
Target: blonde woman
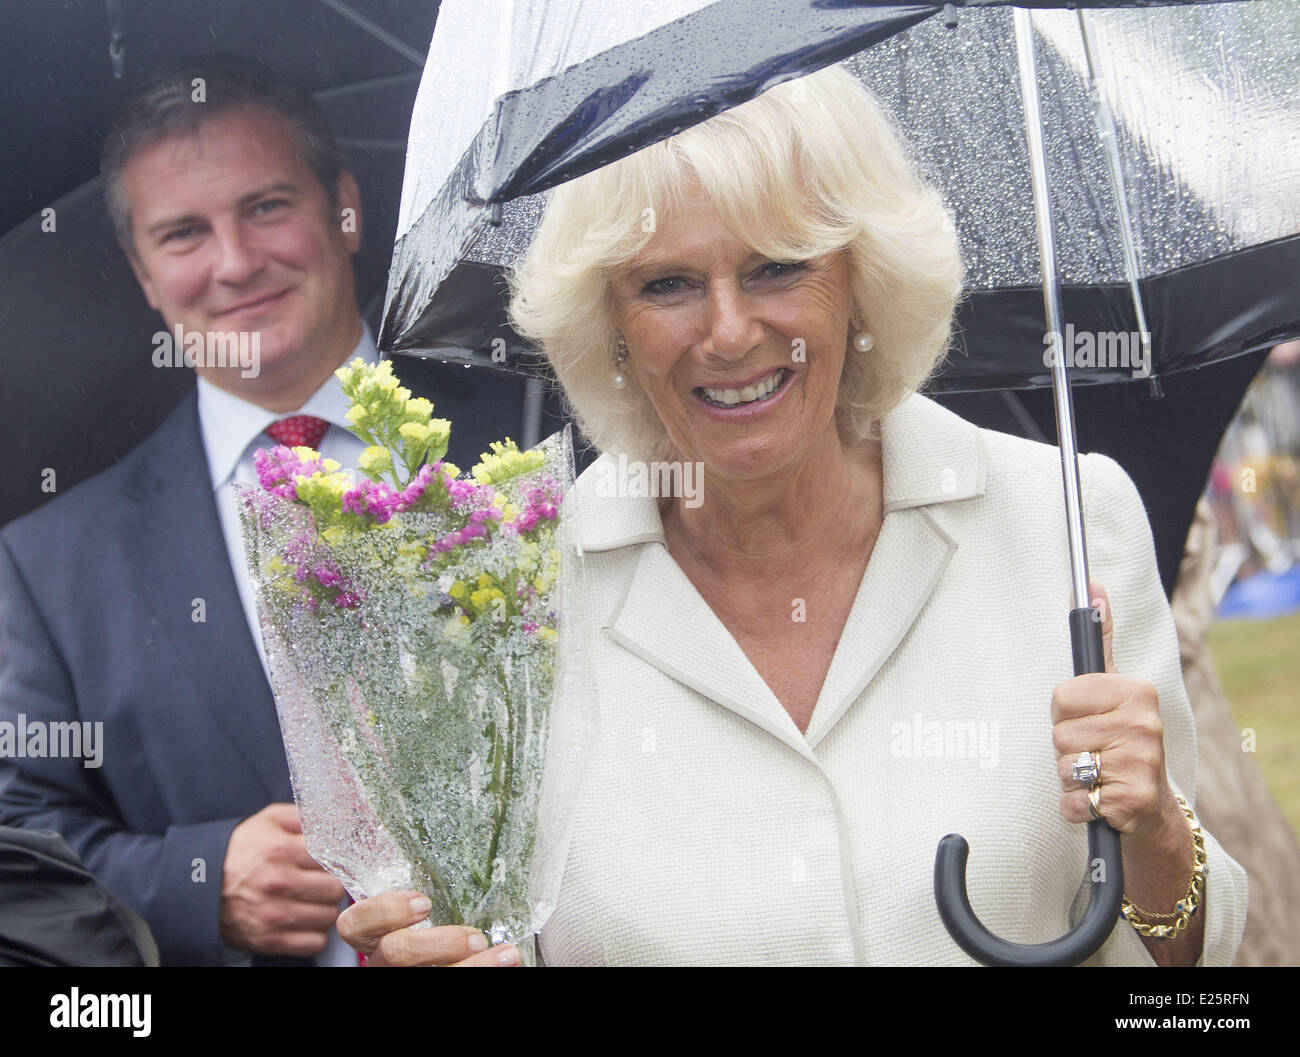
{"points": [[854, 640]]}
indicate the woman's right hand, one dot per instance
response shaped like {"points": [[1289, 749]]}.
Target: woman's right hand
{"points": [[380, 928]]}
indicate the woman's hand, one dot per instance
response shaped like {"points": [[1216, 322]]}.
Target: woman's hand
{"points": [[380, 928], [1119, 716]]}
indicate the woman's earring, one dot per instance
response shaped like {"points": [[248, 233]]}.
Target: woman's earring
{"points": [[862, 339], [620, 354]]}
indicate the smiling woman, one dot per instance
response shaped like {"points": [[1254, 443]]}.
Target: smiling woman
{"points": [[762, 295], [812, 169]]}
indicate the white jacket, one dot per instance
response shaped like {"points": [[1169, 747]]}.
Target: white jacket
{"points": [[710, 831]]}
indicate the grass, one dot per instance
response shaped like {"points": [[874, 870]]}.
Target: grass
{"points": [[1259, 666]]}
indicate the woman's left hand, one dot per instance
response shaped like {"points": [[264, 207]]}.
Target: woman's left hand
{"points": [[1118, 716]]}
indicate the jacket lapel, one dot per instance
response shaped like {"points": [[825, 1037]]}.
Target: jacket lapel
{"points": [[665, 621], [930, 457], [178, 554], [910, 556]]}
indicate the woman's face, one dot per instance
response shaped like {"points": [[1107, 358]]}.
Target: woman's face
{"points": [[740, 355]]}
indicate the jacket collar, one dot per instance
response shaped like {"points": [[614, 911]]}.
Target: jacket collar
{"points": [[930, 457]]}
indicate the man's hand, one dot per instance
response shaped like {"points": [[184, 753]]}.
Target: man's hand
{"points": [[275, 898]]}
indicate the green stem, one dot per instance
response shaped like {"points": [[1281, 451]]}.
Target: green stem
{"points": [[507, 783], [391, 814]]}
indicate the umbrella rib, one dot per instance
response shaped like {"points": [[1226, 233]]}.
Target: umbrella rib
{"points": [[377, 31]]}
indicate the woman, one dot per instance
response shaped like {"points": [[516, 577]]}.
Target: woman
{"points": [[853, 641]]}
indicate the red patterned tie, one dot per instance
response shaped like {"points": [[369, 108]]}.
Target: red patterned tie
{"points": [[298, 431]]}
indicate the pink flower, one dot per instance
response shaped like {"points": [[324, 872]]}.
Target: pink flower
{"points": [[348, 599], [476, 529], [277, 468], [411, 494], [541, 503], [373, 499]]}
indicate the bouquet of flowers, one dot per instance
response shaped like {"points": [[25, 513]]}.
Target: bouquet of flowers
{"points": [[415, 627]]}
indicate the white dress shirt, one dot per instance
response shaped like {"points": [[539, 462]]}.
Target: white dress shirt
{"points": [[233, 430]]}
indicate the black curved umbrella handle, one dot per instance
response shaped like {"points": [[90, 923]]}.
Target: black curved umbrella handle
{"points": [[1104, 865]]}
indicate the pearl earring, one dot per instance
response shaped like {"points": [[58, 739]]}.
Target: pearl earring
{"points": [[862, 339], [619, 380]]}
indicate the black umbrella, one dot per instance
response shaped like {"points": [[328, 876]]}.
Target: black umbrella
{"points": [[53, 912], [1227, 292], [1196, 270]]}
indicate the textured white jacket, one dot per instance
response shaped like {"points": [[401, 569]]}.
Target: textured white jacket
{"points": [[710, 831]]}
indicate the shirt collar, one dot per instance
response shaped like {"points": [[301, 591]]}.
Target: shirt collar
{"points": [[929, 455], [231, 425]]}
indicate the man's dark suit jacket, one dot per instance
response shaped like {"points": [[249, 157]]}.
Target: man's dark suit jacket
{"points": [[97, 606]]}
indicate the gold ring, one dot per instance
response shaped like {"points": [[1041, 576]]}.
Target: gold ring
{"points": [[1094, 801]]}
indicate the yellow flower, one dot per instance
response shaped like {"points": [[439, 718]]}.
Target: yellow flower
{"points": [[347, 373], [357, 415], [457, 591], [411, 550], [505, 462], [415, 433], [375, 460], [484, 597], [419, 410]]}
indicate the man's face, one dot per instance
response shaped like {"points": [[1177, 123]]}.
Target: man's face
{"points": [[234, 232]]}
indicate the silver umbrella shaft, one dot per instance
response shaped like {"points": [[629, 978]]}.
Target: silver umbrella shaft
{"points": [[1107, 886], [1052, 306]]}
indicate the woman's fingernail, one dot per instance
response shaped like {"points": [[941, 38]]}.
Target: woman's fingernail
{"points": [[508, 955], [478, 942], [421, 905]]}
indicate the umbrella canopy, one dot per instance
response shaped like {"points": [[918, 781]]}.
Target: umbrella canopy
{"points": [[1204, 109], [1206, 201], [1156, 207]]}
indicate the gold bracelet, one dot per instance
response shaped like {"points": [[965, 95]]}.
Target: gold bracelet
{"points": [[1186, 906]]}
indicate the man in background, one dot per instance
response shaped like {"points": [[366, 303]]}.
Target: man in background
{"points": [[125, 606]]}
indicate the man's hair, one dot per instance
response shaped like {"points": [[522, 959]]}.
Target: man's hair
{"points": [[221, 83]]}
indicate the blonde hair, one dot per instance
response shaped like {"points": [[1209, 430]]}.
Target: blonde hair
{"points": [[810, 167]]}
